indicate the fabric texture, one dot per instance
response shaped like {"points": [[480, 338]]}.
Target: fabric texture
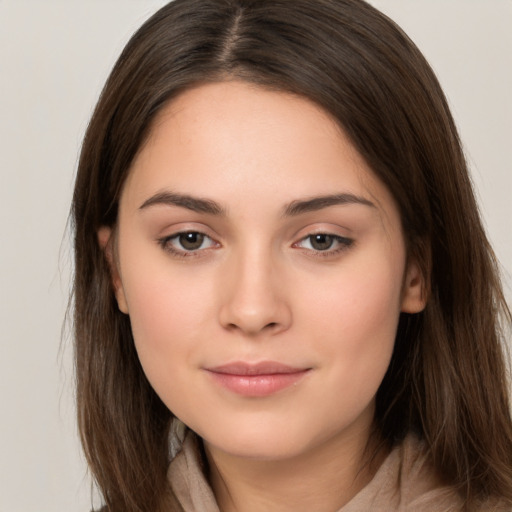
{"points": [[404, 483]]}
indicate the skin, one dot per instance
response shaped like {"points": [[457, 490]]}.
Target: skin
{"points": [[260, 289]]}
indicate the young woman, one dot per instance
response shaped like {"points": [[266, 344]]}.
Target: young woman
{"points": [[284, 297]]}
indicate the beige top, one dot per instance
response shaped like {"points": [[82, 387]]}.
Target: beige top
{"points": [[404, 483]]}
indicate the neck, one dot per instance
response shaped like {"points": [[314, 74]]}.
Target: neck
{"points": [[323, 478]]}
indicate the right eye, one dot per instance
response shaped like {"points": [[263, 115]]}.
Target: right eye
{"points": [[187, 242]]}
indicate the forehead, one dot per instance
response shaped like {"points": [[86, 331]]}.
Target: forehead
{"points": [[230, 140]]}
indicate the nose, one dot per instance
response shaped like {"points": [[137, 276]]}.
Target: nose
{"points": [[254, 296]]}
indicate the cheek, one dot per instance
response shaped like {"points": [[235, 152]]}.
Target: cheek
{"points": [[158, 309], [353, 322], [169, 312], [361, 299]]}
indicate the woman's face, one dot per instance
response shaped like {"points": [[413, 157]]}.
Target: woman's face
{"points": [[263, 268]]}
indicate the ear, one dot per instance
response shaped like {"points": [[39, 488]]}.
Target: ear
{"points": [[414, 296], [106, 242]]}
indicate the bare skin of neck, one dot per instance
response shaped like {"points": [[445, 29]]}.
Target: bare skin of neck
{"points": [[323, 479]]}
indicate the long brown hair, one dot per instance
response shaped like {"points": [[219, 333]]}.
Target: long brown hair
{"points": [[447, 378]]}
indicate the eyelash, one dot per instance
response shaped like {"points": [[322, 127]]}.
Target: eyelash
{"points": [[166, 244], [344, 243]]}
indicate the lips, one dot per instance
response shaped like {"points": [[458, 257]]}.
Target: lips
{"points": [[256, 380]]}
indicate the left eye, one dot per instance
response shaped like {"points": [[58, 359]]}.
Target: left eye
{"points": [[324, 242], [189, 241]]}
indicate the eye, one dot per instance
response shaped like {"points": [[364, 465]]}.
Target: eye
{"points": [[187, 242], [321, 241], [324, 242]]}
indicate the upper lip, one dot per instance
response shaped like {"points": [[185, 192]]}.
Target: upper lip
{"points": [[262, 368]]}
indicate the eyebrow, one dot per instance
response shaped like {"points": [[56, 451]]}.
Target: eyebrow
{"points": [[318, 203], [293, 209], [195, 204]]}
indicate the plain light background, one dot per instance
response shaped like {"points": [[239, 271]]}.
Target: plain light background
{"points": [[54, 58]]}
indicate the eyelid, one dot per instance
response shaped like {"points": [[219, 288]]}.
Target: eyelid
{"points": [[342, 243], [165, 243], [340, 239]]}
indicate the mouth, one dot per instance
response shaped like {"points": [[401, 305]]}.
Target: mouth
{"points": [[256, 380]]}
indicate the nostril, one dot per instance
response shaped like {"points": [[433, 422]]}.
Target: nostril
{"points": [[272, 326], [261, 317]]}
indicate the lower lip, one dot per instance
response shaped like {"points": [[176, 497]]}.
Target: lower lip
{"points": [[257, 385]]}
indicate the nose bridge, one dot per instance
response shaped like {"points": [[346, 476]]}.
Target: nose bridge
{"points": [[254, 301]]}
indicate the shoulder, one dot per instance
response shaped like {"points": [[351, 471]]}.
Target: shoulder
{"points": [[406, 481], [420, 488]]}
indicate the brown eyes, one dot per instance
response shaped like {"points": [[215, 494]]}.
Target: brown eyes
{"points": [[324, 243], [187, 243], [192, 243], [321, 242]]}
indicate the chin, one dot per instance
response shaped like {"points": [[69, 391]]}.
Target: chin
{"points": [[266, 441], [270, 449]]}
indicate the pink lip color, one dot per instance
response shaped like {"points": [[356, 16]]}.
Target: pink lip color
{"points": [[256, 380]]}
